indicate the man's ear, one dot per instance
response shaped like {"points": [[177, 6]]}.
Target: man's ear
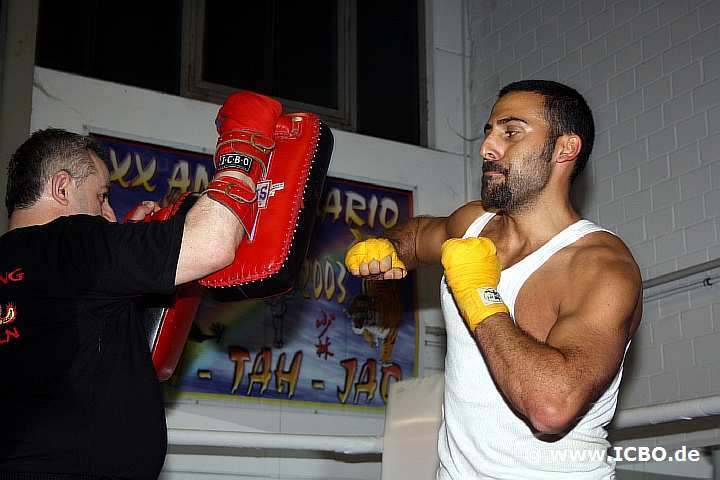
{"points": [[569, 146], [60, 187]]}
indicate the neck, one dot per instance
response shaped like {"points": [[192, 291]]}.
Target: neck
{"points": [[29, 217], [550, 213]]}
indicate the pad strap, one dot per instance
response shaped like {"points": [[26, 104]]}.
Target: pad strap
{"points": [[247, 152], [238, 197], [244, 151]]}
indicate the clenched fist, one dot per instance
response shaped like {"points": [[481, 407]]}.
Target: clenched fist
{"points": [[472, 271], [376, 258]]}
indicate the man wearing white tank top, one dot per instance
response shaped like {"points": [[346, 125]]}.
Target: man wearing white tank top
{"points": [[540, 305]]}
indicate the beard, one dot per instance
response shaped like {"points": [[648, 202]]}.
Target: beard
{"points": [[522, 182]]}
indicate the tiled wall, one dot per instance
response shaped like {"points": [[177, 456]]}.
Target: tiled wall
{"points": [[650, 70]]}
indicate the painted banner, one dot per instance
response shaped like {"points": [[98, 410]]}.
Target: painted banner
{"points": [[140, 171], [335, 340]]}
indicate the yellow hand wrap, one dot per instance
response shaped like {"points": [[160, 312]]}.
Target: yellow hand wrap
{"points": [[472, 271], [369, 250]]}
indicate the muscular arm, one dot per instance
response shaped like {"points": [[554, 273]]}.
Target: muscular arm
{"points": [[552, 383], [418, 241], [211, 236]]}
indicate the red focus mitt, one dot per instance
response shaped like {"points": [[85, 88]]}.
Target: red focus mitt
{"points": [[245, 125], [288, 197]]}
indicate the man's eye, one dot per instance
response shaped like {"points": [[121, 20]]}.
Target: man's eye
{"points": [[511, 133]]}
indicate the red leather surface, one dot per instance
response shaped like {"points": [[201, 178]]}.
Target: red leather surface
{"points": [[163, 214], [245, 110], [280, 200], [174, 329]]}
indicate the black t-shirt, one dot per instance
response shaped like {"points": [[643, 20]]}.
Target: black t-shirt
{"points": [[78, 392]]}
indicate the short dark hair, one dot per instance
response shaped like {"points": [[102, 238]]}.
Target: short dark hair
{"points": [[40, 157], [566, 111]]}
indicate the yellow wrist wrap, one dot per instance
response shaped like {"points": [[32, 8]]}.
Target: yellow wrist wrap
{"points": [[472, 271], [372, 249]]}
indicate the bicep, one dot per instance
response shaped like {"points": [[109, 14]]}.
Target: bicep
{"points": [[433, 232], [593, 326]]}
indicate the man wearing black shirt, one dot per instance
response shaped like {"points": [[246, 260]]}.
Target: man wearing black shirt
{"points": [[79, 397]]}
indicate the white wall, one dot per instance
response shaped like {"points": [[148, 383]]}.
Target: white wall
{"points": [[445, 44], [650, 70], [81, 104]]}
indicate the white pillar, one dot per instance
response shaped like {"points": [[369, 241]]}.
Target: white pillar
{"points": [[18, 27]]}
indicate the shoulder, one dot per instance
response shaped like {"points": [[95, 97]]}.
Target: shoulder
{"points": [[89, 229], [84, 228], [459, 221], [59, 226], [603, 248], [601, 261], [82, 219], [75, 221]]}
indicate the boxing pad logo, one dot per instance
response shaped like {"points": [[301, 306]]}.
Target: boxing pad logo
{"points": [[235, 160], [265, 190]]}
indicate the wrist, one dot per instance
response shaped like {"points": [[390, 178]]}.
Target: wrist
{"points": [[396, 255], [474, 320], [478, 304], [404, 241]]}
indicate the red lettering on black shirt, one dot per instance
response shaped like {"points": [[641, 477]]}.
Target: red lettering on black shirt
{"points": [[14, 275]]}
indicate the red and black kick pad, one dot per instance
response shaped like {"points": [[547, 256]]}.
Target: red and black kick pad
{"points": [[269, 259]]}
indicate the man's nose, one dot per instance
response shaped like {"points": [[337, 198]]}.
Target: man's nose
{"points": [[489, 150], [108, 213]]}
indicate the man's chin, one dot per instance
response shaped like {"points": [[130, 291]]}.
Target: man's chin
{"points": [[493, 182], [495, 198], [492, 204]]}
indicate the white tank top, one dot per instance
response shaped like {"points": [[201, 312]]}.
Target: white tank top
{"points": [[480, 436]]}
